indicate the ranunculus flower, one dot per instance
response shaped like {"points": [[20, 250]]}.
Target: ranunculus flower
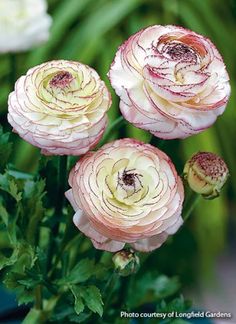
{"points": [[206, 174], [60, 106], [126, 192], [171, 81], [23, 24]]}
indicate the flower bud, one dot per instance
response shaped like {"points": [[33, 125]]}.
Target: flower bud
{"points": [[206, 173], [126, 262]]}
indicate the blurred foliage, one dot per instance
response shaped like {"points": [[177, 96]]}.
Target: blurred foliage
{"points": [[91, 31]]}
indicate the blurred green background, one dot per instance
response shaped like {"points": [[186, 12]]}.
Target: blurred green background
{"points": [[91, 31]]}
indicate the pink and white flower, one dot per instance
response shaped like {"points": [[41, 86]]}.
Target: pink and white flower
{"points": [[60, 106], [171, 81], [126, 192]]}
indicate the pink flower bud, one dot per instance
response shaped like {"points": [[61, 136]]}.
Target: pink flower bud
{"points": [[206, 173]]}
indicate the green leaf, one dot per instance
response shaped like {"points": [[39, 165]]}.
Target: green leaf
{"points": [[25, 297], [5, 148], [4, 261], [14, 190], [33, 206], [79, 305], [26, 257], [152, 287], [177, 305], [30, 282], [93, 299], [165, 287], [22, 256], [4, 214], [81, 272], [10, 186], [11, 279]]}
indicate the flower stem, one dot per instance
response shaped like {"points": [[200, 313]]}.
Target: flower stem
{"points": [[109, 288], [190, 204], [116, 125], [13, 70], [38, 297], [61, 184]]}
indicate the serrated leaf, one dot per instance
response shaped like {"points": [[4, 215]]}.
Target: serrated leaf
{"points": [[29, 282], [25, 257], [9, 186], [79, 305], [14, 190], [25, 297], [80, 273], [93, 299], [4, 261], [16, 257], [11, 279]]}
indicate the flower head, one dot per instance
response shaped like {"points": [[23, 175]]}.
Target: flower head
{"points": [[171, 81], [126, 262], [23, 24], [126, 192], [206, 173], [60, 106]]}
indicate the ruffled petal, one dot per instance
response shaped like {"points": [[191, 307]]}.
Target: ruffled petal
{"points": [[151, 243]]}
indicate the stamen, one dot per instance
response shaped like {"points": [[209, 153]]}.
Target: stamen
{"points": [[61, 79], [181, 52]]}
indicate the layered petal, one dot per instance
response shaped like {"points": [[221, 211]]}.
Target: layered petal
{"points": [[60, 106], [171, 81], [126, 192]]}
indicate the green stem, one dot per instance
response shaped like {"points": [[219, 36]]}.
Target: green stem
{"points": [[109, 289], [13, 70], [190, 204], [38, 298], [116, 125], [61, 184]]}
